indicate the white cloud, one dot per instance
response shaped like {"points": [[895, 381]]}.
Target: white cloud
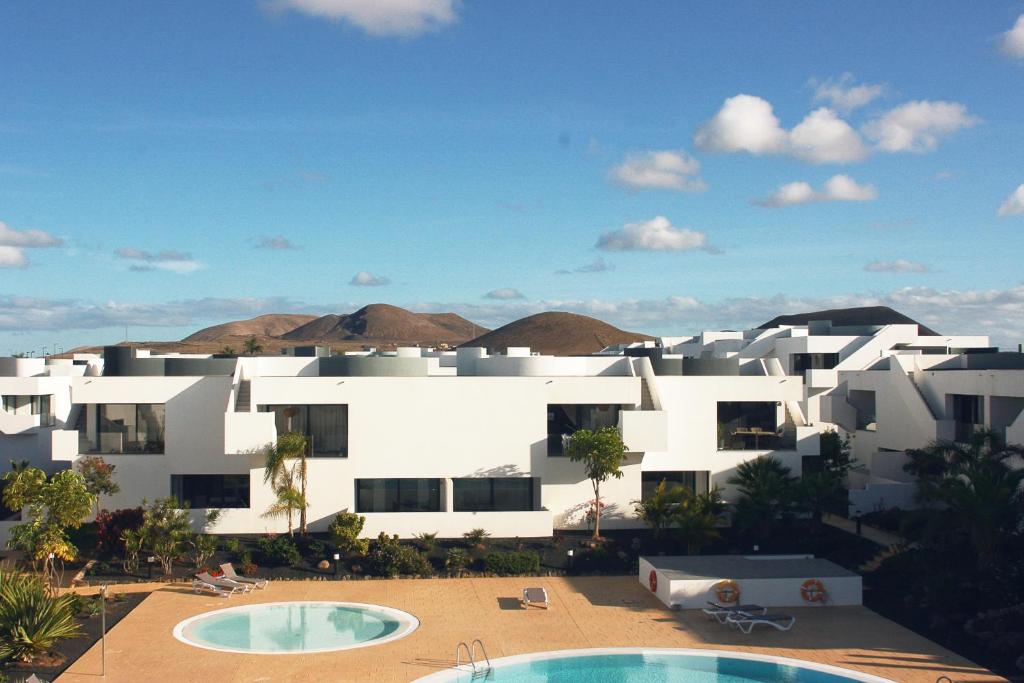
{"points": [[179, 262], [657, 234], [838, 188], [367, 279], [1012, 43], [598, 265], [897, 266], [745, 123], [14, 242], [917, 126], [378, 17], [1014, 204], [663, 170], [824, 138], [504, 294], [278, 242], [842, 94]]}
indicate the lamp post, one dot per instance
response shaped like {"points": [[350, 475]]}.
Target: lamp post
{"points": [[569, 553], [103, 631], [337, 564]]}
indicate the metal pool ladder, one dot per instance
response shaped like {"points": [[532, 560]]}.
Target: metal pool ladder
{"points": [[479, 668]]}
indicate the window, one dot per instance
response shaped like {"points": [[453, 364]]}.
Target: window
{"points": [[813, 361], [968, 412], [325, 426], [752, 426], [211, 490], [863, 402], [566, 418], [504, 494], [129, 428], [697, 481], [398, 495], [35, 404]]}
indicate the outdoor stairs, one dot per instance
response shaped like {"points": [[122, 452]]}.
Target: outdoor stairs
{"points": [[243, 400], [882, 555], [646, 401], [928, 405]]}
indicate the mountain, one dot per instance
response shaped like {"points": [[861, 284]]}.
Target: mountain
{"points": [[269, 325], [386, 323], [861, 315], [557, 333]]}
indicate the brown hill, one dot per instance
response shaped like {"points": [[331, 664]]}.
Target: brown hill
{"points": [[859, 315], [386, 323], [557, 333], [269, 325]]}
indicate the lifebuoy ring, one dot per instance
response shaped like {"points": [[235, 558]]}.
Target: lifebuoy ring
{"points": [[813, 590], [727, 591], [652, 579]]}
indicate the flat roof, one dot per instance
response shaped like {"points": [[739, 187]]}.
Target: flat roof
{"points": [[684, 567]]}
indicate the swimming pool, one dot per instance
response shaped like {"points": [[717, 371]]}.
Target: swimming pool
{"points": [[664, 665], [295, 627]]}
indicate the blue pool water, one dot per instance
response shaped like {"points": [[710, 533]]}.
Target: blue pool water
{"points": [[295, 627], [652, 666]]}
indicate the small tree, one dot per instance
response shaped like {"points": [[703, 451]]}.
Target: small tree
{"points": [[660, 508], [346, 530], [822, 487], [252, 346], [601, 452], [697, 518], [166, 530], [53, 505], [99, 478]]}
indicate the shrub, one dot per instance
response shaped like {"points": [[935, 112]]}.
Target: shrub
{"points": [[345, 531], [512, 563], [476, 538], [31, 620], [426, 541], [457, 560], [165, 530], [249, 567], [111, 525], [315, 548], [280, 551], [232, 546], [390, 558], [201, 549]]}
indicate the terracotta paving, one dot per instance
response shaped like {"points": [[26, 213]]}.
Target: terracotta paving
{"points": [[586, 612]]}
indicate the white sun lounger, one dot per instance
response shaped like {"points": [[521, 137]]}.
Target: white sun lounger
{"points": [[537, 597], [719, 611], [224, 587], [229, 573], [747, 622]]}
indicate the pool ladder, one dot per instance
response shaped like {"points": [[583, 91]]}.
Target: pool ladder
{"points": [[479, 668]]}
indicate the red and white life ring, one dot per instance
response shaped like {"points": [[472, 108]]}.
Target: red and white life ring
{"points": [[652, 579]]}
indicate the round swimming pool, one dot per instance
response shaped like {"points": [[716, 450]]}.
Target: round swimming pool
{"points": [[662, 665], [295, 627]]}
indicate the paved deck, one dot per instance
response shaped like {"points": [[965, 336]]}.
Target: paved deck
{"points": [[586, 612]]}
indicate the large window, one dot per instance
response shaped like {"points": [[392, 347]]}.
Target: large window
{"points": [[566, 418], [129, 428], [504, 494], [813, 361], [398, 495], [752, 426], [36, 404], [325, 426], [696, 481], [211, 490], [968, 414]]}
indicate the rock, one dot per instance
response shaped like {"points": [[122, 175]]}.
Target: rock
{"points": [[323, 564]]}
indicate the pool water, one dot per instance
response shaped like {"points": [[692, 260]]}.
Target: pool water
{"points": [[661, 666], [295, 627]]}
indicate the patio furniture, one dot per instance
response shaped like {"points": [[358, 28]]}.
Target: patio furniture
{"points": [[224, 587], [719, 611], [229, 573], [537, 597], [747, 622]]}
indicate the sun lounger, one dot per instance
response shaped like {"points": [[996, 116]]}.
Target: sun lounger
{"points": [[747, 622], [225, 587], [719, 611], [229, 573], [537, 597]]}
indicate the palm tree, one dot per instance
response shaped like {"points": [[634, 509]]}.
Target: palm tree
{"points": [[659, 509], [766, 489], [697, 517], [977, 484], [288, 500], [252, 346], [285, 461]]}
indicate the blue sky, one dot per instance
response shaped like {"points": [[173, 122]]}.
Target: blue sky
{"points": [[165, 166]]}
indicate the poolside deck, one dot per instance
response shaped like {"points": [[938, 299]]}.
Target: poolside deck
{"points": [[586, 612]]}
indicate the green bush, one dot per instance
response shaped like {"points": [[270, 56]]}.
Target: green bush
{"points": [[476, 537], [279, 552], [389, 557], [512, 563], [346, 530], [232, 546], [31, 620], [426, 540], [457, 560]]}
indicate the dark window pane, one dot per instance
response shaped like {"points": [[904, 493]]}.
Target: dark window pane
{"points": [[211, 490], [398, 495], [324, 426], [502, 494], [566, 418], [697, 481], [129, 428]]}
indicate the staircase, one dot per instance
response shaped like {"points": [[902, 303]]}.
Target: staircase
{"points": [[243, 400], [646, 401]]}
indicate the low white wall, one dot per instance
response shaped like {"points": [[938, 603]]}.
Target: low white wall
{"points": [[883, 495]]}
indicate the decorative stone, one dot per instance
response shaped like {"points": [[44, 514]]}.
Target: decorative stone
{"points": [[323, 564]]}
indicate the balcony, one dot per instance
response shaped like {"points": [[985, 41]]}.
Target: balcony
{"points": [[11, 423], [644, 431]]}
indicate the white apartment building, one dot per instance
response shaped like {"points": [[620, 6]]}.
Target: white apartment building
{"points": [[424, 441]]}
